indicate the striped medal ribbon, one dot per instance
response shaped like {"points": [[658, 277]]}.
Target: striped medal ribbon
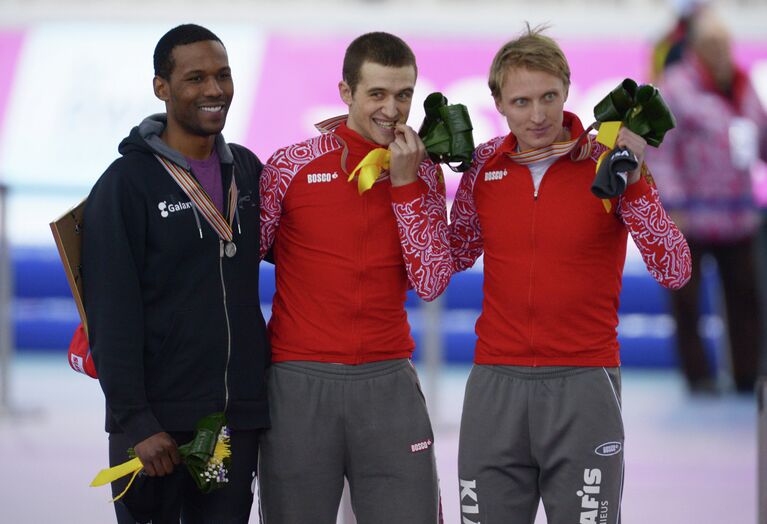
{"points": [[579, 151], [191, 187]]}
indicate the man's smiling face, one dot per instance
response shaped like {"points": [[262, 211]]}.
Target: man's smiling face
{"points": [[380, 101]]}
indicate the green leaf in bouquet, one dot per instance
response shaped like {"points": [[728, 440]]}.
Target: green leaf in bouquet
{"points": [[207, 455], [640, 107], [446, 132]]}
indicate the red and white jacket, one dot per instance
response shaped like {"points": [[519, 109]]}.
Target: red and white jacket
{"points": [[553, 262], [705, 177], [343, 260]]}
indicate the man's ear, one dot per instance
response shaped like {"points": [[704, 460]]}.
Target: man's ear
{"points": [[498, 106], [345, 92], [161, 89]]}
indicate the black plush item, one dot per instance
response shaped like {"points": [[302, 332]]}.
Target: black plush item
{"points": [[610, 180]]}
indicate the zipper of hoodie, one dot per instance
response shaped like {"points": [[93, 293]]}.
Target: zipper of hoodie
{"points": [[196, 217], [221, 253], [228, 326]]}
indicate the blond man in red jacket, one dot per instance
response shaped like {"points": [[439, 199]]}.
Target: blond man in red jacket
{"points": [[542, 415]]}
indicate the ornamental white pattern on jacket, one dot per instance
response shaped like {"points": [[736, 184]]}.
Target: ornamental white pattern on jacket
{"points": [[277, 175], [663, 248], [661, 244], [424, 236], [465, 230], [421, 223]]}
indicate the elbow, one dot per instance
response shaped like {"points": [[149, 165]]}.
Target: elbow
{"points": [[429, 294], [676, 282], [428, 297], [682, 282]]}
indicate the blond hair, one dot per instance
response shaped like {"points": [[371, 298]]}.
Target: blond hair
{"points": [[532, 50]]}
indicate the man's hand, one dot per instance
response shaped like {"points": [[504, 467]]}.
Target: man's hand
{"points": [[407, 153], [636, 144], [158, 454]]}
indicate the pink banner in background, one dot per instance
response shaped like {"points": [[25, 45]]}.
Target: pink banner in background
{"points": [[297, 74], [596, 61], [10, 46]]}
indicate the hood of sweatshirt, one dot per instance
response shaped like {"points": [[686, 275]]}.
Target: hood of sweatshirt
{"points": [[145, 138]]}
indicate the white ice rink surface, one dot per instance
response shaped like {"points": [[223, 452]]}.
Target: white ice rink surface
{"points": [[688, 460]]}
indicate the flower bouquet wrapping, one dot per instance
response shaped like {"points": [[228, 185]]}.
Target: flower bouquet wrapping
{"points": [[208, 455], [641, 109], [446, 132], [207, 458]]}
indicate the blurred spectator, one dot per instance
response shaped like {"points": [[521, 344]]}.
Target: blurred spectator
{"points": [[670, 48], [704, 172]]}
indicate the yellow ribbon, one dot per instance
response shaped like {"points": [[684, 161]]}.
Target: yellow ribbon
{"points": [[607, 135], [105, 476], [370, 168]]}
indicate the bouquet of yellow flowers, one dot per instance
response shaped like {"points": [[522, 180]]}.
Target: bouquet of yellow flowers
{"points": [[207, 457]]}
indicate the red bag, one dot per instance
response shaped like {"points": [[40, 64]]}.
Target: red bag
{"points": [[80, 358]]}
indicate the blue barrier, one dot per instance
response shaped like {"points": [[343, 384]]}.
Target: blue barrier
{"points": [[38, 274], [44, 315]]}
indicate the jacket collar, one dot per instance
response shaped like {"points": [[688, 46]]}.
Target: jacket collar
{"points": [[151, 128], [355, 146]]}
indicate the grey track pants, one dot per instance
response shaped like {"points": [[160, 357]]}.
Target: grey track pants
{"points": [[366, 422], [554, 434]]}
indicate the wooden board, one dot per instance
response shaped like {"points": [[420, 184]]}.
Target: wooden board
{"points": [[67, 231]]}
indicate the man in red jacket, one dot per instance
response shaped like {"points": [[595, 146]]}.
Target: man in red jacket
{"points": [[542, 416], [345, 399]]}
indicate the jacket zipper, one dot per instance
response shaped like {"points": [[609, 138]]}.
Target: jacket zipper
{"points": [[228, 327], [361, 278], [530, 308]]}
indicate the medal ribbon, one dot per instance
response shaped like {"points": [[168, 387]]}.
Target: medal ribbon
{"points": [[555, 150], [370, 168], [558, 149], [197, 194]]}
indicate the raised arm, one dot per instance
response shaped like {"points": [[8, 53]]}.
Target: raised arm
{"points": [[661, 244], [421, 214]]}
